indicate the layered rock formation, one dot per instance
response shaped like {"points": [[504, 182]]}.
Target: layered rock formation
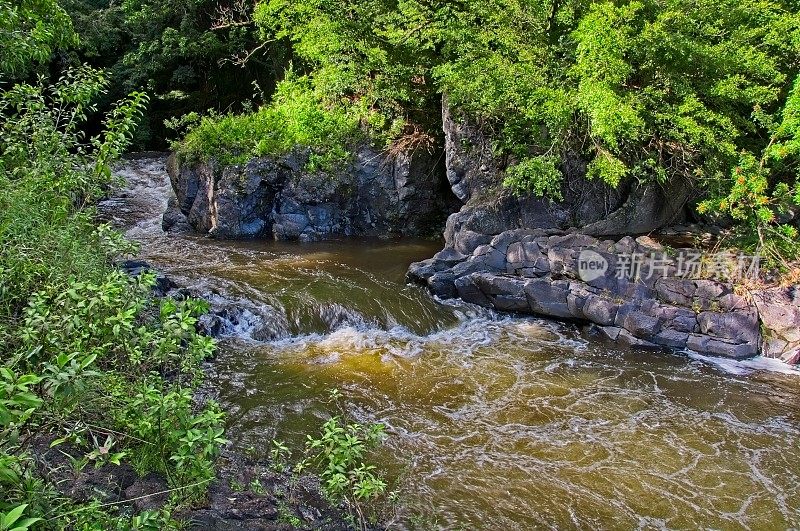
{"points": [[475, 175], [653, 305], [375, 194], [513, 254]]}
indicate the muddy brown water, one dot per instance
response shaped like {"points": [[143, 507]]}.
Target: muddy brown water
{"points": [[494, 422]]}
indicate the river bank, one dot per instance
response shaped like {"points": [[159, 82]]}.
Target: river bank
{"points": [[250, 491]]}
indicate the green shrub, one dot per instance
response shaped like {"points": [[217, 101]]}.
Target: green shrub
{"points": [[535, 175], [341, 457], [340, 453], [763, 191], [87, 357], [295, 119]]}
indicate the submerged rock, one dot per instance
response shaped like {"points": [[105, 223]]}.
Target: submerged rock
{"points": [[227, 315]]}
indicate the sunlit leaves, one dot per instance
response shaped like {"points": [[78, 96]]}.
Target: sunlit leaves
{"points": [[30, 31], [535, 175], [296, 118]]}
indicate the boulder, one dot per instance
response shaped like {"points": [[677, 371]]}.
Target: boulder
{"points": [[600, 310], [491, 257], [468, 290], [735, 327], [639, 323], [471, 164], [647, 207], [173, 219], [548, 297], [779, 313]]}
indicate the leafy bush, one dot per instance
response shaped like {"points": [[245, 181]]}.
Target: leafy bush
{"points": [[760, 207], [536, 175], [87, 357], [295, 119], [340, 452], [341, 457]]}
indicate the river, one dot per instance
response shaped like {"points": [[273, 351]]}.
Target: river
{"points": [[494, 422]]}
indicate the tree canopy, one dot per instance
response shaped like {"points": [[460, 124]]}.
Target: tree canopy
{"points": [[644, 89]]}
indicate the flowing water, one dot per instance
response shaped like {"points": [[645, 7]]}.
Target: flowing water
{"points": [[494, 422]]}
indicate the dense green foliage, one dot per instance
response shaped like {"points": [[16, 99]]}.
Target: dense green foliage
{"points": [[187, 54], [29, 32], [294, 119], [655, 90], [615, 74], [649, 91], [88, 358]]}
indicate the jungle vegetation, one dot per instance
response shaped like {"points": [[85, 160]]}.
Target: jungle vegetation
{"points": [[653, 91], [702, 91]]}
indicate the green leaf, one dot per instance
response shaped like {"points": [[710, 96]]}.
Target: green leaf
{"points": [[25, 524], [13, 515]]}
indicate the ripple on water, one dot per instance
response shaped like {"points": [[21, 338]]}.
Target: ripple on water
{"points": [[523, 423]]}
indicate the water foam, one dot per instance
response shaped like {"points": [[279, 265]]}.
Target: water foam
{"points": [[747, 366]]}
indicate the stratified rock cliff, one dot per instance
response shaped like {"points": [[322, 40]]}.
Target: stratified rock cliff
{"points": [[376, 193], [523, 254]]}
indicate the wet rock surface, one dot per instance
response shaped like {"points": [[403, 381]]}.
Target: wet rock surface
{"points": [[376, 194], [251, 495], [227, 315], [543, 272]]}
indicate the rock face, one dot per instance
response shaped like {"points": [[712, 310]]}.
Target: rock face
{"points": [[779, 309], [376, 194], [475, 175], [523, 254], [640, 303]]}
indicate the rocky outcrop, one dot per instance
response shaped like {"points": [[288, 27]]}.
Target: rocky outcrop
{"points": [[475, 174], [375, 194], [524, 254], [645, 303], [779, 310]]}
